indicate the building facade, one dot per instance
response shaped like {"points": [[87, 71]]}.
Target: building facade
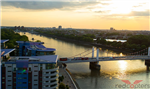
{"points": [[36, 72], [26, 48]]}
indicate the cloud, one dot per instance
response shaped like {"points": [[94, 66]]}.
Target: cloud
{"points": [[45, 5], [140, 13]]}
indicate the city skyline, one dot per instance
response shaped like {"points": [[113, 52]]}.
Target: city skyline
{"points": [[95, 14]]}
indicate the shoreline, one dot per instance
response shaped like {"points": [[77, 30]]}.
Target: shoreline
{"points": [[117, 50], [73, 78]]}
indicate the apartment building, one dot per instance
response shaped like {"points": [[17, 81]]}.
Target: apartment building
{"points": [[35, 72]]}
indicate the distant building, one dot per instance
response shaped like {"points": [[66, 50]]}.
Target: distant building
{"points": [[36, 72], [18, 27], [22, 27], [59, 27], [53, 27], [112, 29]]}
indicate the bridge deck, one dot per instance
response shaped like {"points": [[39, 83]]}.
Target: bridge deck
{"points": [[73, 60]]}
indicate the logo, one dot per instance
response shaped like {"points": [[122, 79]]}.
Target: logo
{"points": [[132, 85]]}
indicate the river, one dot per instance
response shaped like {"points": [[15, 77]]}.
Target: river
{"points": [[111, 74]]}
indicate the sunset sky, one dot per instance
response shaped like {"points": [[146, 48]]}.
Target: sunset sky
{"points": [[89, 14]]}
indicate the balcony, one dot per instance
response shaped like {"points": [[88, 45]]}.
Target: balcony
{"points": [[50, 70]]}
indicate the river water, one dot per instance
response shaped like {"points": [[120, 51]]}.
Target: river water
{"points": [[112, 72]]}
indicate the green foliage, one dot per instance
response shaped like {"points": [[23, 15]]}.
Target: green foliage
{"points": [[67, 87], [129, 34], [12, 36], [101, 41], [111, 34], [61, 78], [86, 37], [139, 40], [62, 86], [38, 41]]}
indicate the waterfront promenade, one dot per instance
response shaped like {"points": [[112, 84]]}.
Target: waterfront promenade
{"points": [[67, 79]]}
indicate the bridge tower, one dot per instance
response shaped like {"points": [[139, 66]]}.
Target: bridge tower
{"points": [[95, 65], [147, 62]]}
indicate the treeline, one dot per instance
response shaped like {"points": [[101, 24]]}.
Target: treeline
{"points": [[12, 36], [86, 37], [135, 43]]}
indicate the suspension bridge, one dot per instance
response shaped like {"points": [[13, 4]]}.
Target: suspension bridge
{"points": [[81, 57], [140, 55]]}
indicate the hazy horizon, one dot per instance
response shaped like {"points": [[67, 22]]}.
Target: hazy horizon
{"points": [[81, 14]]}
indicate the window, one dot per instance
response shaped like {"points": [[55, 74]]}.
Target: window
{"points": [[9, 85], [19, 82], [19, 78], [47, 76], [40, 68], [35, 84], [35, 71], [22, 68], [47, 72], [9, 71], [35, 75], [24, 83], [50, 66], [3, 82], [9, 66], [53, 72], [46, 86], [53, 81], [9, 75], [3, 78], [53, 85], [29, 68], [53, 76], [35, 66], [14, 69], [35, 80], [47, 81], [24, 78], [9, 80]]}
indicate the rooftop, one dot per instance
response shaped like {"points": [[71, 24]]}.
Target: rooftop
{"points": [[3, 41], [36, 46], [31, 43], [4, 52], [34, 59], [39, 48]]}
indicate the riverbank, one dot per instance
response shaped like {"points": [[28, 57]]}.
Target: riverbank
{"points": [[73, 78], [68, 79], [117, 50]]}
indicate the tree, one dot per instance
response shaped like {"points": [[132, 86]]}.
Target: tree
{"points": [[102, 41], [37, 41], [139, 40], [62, 86]]}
